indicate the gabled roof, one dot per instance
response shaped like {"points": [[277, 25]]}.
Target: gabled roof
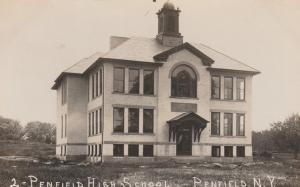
{"points": [[163, 56], [188, 116], [78, 68]]}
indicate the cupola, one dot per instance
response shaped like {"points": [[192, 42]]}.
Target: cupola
{"points": [[168, 25]]}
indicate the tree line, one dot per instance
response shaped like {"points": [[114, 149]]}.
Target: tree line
{"points": [[35, 131], [282, 137]]}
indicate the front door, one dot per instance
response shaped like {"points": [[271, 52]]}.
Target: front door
{"points": [[184, 141]]}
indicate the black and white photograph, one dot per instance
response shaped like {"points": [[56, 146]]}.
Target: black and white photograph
{"points": [[149, 93]]}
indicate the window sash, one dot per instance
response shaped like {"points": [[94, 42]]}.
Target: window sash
{"points": [[228, 151], [118, 115], [133, 120], [215, 125], [119, 80], [118, 150], [133, 150], [240, 151], [134, 81], [215, 87], [228, 88], [240, 124], [148, 150], [148, 82], [240, 89], [148, 120], [216, 151], [228, 124]]}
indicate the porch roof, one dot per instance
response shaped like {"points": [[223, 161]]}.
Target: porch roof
{"points": [[191, 117]]}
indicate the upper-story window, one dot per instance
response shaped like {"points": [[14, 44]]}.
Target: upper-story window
{"points": [[228, 88], [215, 123], [240, 89], [215, 87], [134, 81], [184, 82], [228, 124], [148, 82], [119, 77], [118, 119], [240, 124], [64, 91], [148, 121], [96, 84], [133, 120]]}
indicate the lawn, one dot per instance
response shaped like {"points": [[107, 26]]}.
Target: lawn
{"points": [[285, 172]]}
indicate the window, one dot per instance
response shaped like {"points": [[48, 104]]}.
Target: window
{"points": [[134, 81], [228, 88], [228, 151], [133, 120], [96, 150], [119, 76], [118, 119], [96, 84], [62, 126], [148, 150], [90, 124], [228, 124], [215, 87], [216, 151], [240, 124], [148, 121], [94, 122], [100, 121], [240, 89], [100, 150], [133, 150], [65, 152], [148, 82], [118, 150], [184, 82], [240, 151], [100, 81], [64, 91], [66, 125], [215, 123], [61, 150], [88, 150]]}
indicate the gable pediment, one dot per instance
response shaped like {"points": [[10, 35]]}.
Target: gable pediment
{"points": [[163, 56]]}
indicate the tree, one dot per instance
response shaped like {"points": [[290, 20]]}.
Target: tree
{"points": [[10, 129], [39, 131], [286, 135]]}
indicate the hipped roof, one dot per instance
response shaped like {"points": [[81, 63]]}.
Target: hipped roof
{"points": [[149, 50]]}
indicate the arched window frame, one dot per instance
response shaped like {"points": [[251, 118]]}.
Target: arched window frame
{"points": [[177, 87]]}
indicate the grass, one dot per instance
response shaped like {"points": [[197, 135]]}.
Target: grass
{"points": [[286, 172]]}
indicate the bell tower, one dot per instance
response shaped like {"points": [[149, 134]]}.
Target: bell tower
{"points": [[168, 26]]}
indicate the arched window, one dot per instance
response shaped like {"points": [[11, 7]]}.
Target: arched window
{"points": [[184, 82]]}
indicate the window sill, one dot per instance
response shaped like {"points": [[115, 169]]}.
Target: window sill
{"points": [[228, 100], [132, 133], [192, 98], [131, 94]]}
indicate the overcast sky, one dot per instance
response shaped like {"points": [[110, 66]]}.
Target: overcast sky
{"points": [[40, 38]]}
